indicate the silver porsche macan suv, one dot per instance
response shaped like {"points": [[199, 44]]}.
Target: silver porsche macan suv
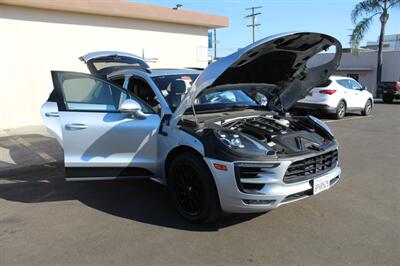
{"points": [[220, 139]]}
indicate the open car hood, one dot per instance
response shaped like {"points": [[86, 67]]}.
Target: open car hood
{"points": [[279, 60]]}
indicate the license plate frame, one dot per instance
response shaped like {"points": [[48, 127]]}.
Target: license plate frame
{"points": [[321, 184]]}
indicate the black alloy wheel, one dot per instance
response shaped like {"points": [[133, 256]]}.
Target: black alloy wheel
{"points": [[192, 188], [189, 190]]}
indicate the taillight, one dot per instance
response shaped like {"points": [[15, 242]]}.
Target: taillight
{"points": [[397, 86], [330, 92]]}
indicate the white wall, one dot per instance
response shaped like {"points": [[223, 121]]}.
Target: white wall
{"points": [[34, 41]]}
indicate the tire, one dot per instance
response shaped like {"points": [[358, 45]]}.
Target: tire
{"points": [[192, 189], [367, 108], [387, 98], [340, 110]]}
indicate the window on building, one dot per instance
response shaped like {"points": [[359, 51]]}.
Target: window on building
{"points": [[354, 76]]}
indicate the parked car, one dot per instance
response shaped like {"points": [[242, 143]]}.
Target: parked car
{"points": [[338, 96], [390, 90], [220, 139]]}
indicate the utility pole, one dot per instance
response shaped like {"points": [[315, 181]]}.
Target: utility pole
{"points": [[253, 16], [215, 44], [350, 35]]}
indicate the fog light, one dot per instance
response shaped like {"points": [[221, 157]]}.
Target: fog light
{"points": [[258, 202]]}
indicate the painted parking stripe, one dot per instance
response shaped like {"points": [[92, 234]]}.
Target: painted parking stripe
{"points": [[346, 119], [44, 156]]}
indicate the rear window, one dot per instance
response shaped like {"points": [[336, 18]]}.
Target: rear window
{"points": [[101, 65], [108, 64]]}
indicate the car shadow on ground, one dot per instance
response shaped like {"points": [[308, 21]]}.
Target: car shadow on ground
{"points": [[140, 200], [379, 101]]}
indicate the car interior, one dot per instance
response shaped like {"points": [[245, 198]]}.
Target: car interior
{"points": [[141, 89], [177, 90]]}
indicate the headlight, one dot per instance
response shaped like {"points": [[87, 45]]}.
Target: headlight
{"points": [[230, 139], [241, 143]]}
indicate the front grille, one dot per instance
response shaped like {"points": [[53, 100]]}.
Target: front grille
{"points": [[308, 168]]}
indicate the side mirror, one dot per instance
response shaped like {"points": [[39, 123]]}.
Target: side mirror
{"points": [[364, 88], [132, 108]]}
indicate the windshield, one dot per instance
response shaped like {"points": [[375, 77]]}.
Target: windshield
{"points": [[232, 99], [174, 87]]}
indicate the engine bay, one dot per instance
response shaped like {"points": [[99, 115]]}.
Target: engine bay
{"points": [[279, 135], [283, 135]]}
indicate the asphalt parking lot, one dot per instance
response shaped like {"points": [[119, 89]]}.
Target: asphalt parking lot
{"points": [[44, 220]]}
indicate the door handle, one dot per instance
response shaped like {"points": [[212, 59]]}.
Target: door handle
{"points": [[75, 126], [52, 114]]}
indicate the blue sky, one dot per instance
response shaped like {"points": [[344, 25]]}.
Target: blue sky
{"points": [[327, 16]]}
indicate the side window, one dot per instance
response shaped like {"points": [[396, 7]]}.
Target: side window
{"points": [[344, 83], [119, 81], [87, 93], [355, 85]]}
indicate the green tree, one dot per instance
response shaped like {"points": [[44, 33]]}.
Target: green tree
{"points": [[362, 16]]}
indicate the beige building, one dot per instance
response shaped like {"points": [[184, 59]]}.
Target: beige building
{"points": [[39, 36]]}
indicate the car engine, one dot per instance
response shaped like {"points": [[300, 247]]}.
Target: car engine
{"points": [[259, 135], [284, 136]]}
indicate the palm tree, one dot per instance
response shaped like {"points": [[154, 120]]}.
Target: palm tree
{"points": [[362, 16]]}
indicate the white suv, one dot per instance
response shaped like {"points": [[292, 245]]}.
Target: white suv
{"points": [[220, 139], [338, 96]]}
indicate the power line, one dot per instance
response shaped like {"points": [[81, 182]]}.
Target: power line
{"points": [[253, 16]]}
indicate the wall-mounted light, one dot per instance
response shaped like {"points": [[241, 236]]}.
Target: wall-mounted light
{"points": [[177, 7]]}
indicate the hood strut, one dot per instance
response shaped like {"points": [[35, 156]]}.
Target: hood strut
{"points": [[194, 113]]}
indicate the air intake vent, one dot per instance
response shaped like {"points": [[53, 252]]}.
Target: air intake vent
{"points": [[249, 176]]}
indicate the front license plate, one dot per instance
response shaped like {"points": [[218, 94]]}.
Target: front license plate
{"points": [[321, 184]]}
